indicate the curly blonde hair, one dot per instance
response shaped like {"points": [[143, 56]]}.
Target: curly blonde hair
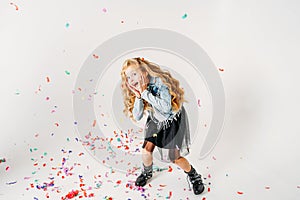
{"points": [[154, 70]]}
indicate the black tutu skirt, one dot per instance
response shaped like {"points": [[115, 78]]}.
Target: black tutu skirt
{"points": [[172, 136]]}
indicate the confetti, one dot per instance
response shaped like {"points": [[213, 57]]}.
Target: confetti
{"points": [[17, 92], [239, 192], [221, 70], [104, 10], [184, 16], [11, 183], [199, 103], [2, 160], [67, 25], [67, 72], [16, 7], [267, 187], [48, 79], [95, 56], [94, 123]]}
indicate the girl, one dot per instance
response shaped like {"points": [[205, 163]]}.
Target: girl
{"points": [[146, 87]]}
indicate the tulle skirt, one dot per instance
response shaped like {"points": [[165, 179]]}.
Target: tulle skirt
{"points": [[171, 137]]}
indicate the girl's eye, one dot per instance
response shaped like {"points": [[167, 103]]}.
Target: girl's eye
{"points": [[128, 78], [134, 74]]}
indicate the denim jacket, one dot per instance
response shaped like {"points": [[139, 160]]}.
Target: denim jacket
{"points": [[158, 96]]}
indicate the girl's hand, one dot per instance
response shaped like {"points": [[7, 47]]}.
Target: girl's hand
{"points": [[134, 90], [143, 84]]}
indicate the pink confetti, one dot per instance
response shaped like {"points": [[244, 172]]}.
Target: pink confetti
{"points": [[104, 10], [209, 176], [199, 103], [267, 187], [95, 56], [7, 168], [214, 158]]}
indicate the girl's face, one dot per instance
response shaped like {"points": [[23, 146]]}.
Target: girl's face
{"points": [[134, 76]]}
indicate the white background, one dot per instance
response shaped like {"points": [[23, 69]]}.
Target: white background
{"points": [[255, 42]]}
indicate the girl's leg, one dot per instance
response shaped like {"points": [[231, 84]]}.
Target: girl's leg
{"points": [[147, 158], [183, 163], [194, 177]]}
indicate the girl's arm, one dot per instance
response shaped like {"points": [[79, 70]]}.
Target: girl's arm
{"points": [[138, 109], [162, 101]]}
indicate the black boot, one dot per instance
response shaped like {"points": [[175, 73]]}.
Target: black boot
{"points": [[196, 181], [144, 176]]}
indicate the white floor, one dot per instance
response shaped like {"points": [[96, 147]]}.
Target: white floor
{"points": [[257, 45]]}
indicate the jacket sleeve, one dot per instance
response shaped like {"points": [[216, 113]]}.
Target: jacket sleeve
{"points": [[162, 101], [138, 109]]}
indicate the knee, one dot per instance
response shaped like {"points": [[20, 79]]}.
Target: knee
{"points": [[175, 160], [146, 152]]}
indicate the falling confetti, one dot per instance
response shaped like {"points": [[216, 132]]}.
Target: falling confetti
{"points": [[95, 56], [221, 70], [184, 16], [17, 92], [199, 103], [16, 7], [104, 10], [67, 72], [2, 160], [11, 183], [67, 25], [48, 79], [239, 192]]}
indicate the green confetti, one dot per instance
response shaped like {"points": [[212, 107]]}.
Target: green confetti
{"points": [[17, 92], [34, 172], [68, 139], [184, 16], [67, 25], [45, 153], [67, 72]]}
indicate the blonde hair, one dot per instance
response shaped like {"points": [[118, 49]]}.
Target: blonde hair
{"points": [[154, 70]]}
